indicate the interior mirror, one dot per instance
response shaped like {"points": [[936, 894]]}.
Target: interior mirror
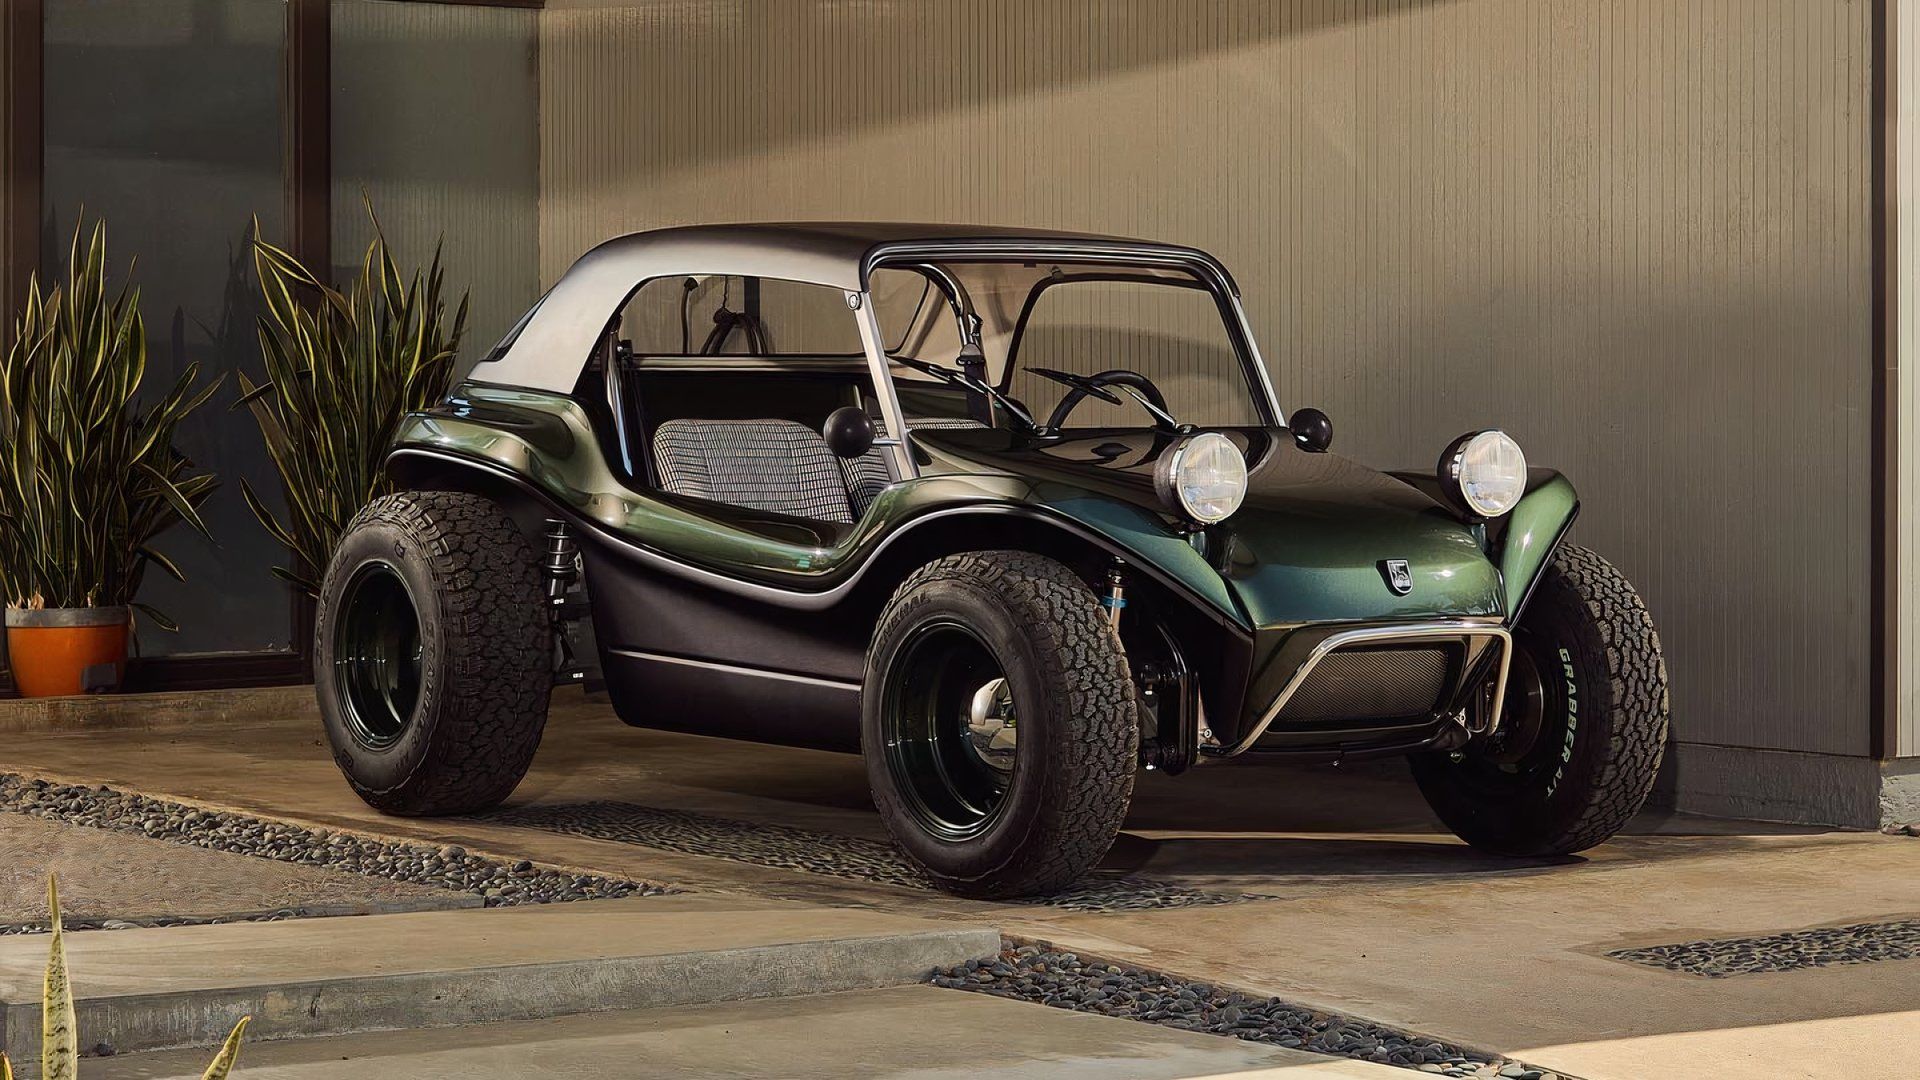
{"points": [[848, 431], [1312, 431]]}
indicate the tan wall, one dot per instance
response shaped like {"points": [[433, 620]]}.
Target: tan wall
{"points": [[1906, 101], [1634, 234], [434, 121]]}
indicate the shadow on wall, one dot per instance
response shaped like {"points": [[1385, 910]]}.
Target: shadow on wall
{"points": [[664, 42]]}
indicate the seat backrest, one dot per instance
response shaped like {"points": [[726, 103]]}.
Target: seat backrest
{"points": [[774, 465], [867, 474]]}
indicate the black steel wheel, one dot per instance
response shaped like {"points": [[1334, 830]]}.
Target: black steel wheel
{"points": [[999, 724], [376, 655], [1583, 727], [433, 653], [950, 723]]}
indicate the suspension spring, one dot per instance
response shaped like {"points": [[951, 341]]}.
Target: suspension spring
{"points": [[563, 561], [1115, 600]]}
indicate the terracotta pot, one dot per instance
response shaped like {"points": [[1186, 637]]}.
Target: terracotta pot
{"points": [[61, 651]]}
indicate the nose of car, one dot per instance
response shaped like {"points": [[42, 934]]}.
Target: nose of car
{"points": [[1288, 567], [1321, 538]]}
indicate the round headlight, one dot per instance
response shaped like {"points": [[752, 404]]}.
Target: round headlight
{"points": [[1204, 477], [1487, 470]]}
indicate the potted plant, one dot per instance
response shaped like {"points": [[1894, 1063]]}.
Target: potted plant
{"points": [[342, 370], [89, 477]]}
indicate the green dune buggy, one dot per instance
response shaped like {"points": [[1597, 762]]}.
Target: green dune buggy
{"points": [[1014, 514]]}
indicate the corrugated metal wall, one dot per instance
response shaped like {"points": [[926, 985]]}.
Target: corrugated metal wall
{"points": [[434, 121], [1635, 234], [1906, 103]]}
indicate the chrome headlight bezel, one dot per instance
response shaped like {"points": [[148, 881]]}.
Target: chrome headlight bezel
{"points": [[1176, 481], [1484, 472]]}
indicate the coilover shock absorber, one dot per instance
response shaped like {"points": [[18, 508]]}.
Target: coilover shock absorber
{"points": [[562, 571], [563, 562], [1115, 598]]}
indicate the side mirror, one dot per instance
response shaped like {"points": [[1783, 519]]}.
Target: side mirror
{"points": [[848, 431], [1312, 431]]}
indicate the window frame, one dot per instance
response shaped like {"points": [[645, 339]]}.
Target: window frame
{"points": [[860, 309]]}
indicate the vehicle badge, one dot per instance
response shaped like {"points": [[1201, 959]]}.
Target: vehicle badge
{"points": [[1399, 575]]}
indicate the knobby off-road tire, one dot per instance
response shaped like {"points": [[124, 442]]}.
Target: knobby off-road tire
{"points": [[1078, 728], [1601, 699], [454, 733]]}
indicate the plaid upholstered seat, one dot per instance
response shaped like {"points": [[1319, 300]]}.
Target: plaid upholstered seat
{"points": [[774, 465]]}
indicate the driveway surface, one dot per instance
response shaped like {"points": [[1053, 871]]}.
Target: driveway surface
{"points": [[113, 876], [1329, 887], [850, 1036]]}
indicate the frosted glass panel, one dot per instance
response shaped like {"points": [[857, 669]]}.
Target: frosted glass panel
{"points": [[163, 118]]}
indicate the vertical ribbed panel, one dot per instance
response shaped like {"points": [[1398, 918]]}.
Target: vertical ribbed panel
{"points": [[434, 119], [1906, 103], [1633, 233]]}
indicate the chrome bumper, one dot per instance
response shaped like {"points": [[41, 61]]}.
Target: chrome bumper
{"points": [[1467, 632]]}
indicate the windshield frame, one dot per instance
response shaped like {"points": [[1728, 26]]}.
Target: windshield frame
{"points": [[1200, 272]]}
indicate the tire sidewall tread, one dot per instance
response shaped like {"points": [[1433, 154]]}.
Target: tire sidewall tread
{"points": [[1608, 649], [1072, 785], [486, 659]]}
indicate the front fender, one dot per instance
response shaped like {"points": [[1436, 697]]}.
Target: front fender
{"points": [[1520, 543], [1528, 534], [1148, 538]]}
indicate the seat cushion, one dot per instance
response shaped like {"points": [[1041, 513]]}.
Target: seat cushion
{"points": [[867, 474], [774, 465]]}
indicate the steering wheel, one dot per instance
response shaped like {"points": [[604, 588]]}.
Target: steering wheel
{"points": [[1081, 387]]}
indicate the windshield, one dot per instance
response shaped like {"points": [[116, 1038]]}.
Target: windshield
{"points": [[1062, 339]]}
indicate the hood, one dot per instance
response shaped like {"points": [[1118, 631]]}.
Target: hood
{"points": [[1311, 543]]}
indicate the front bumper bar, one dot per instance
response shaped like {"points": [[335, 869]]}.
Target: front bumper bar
{"points": [[1475, 636]]}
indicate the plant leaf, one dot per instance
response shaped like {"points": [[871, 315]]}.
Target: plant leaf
{"points": [[58, 1039], [175, 498], [159, 617], [154, 556], [229, 1053], [250, 394], [89, 475], [304, 584], [341, 370]]}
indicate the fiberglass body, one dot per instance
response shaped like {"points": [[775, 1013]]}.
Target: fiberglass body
{"points": [[725, 620]]}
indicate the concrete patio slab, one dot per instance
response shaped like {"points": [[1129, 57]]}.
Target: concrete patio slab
{"points": [[185, 986], [1366, 905], [911, 1032], [108, 875]]}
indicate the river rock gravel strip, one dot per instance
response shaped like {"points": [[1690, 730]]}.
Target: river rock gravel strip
{"points": [[150, 922], [1064, 980], [1791, 950], [853, 858], [498, 882]]}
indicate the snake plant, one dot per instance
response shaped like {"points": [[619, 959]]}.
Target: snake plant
{"points": [[342, 369], [89, 473], [59, 1040]]}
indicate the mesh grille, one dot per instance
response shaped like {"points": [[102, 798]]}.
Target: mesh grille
{"points": [[1373, 684]]}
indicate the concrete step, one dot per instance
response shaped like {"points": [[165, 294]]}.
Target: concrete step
{"points": [[166, 711], [185, 986], [917, 1032]]}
